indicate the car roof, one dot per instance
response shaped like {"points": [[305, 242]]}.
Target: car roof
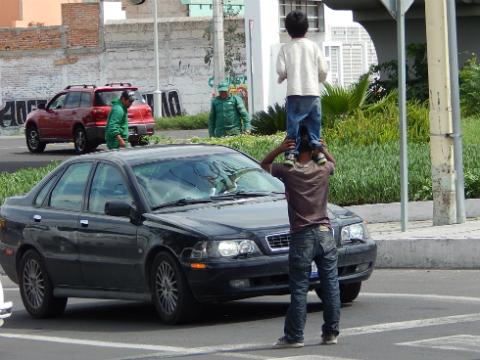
{"points": [[142, 155]]}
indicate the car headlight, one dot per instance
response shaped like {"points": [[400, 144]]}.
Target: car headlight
{"points": [[354, 232], [224, 248]]}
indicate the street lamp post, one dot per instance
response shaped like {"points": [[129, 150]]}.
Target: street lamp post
{"points": [[157, 94]]}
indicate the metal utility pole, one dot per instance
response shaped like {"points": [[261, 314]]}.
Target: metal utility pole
{"points": [[218, 43], [157, 94], [397, 9], [441, 141], [456, 115]]}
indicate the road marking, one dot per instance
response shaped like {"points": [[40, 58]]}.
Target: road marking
{"points": [[108, 344], [456, 342], [312, 357], [11, 289], [423, 297]]}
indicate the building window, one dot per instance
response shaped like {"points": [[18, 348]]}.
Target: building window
{"points": [[313, 9]]}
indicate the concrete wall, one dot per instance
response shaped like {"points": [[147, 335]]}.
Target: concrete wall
{"points": [[166, 8]]}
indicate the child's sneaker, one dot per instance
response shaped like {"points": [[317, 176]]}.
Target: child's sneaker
{"points": [[289, 159], [320, 159], [283, 343], [330, 339]]}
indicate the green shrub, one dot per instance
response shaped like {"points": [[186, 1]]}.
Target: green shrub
{"points": [[470, 87], [271, 121], [184, 122]]}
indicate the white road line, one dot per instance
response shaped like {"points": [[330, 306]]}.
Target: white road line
{"points": [[311, 357], [456, 342], [108, 344], [11, 289], [423, 297]]}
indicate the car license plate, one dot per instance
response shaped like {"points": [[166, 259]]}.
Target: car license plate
{"points": [[314, 271], [132, 131]]}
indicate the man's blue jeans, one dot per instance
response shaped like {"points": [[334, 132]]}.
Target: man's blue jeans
{"points": [[304, 111], [314, 243]]}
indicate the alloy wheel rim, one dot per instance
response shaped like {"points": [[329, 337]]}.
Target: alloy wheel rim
{"points": [[33, 139], [33, 283], [80, 140], [166, 288]]}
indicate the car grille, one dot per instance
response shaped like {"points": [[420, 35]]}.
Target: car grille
{"points": [[281, 241], [278, 242]]}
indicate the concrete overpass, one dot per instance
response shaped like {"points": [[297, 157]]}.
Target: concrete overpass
{"points": [[382, 28]]}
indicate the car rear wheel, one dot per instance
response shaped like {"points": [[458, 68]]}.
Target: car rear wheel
{"points": [[36, 288], [80, 140], [171, 294], [33, 140], [348, 292]]}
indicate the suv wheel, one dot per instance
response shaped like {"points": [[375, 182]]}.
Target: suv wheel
{"points": [[36, 288], [80, 141], [33, 140], [171, 294], [348, 292]]}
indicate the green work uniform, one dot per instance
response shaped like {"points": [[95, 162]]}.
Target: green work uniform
{"points": [[228, 117], [117, 124]]}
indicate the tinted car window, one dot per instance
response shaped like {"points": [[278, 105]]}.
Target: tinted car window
{"points": [[202, 178], [58, 102], [86, 99], [68, 193], [105, 97], [44, 191], [108, 184], [73, 100]]}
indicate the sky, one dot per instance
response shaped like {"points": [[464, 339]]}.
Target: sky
{"points": [[113, 11]]}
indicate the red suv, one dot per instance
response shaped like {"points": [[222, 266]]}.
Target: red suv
{"points": [[79, 113]]}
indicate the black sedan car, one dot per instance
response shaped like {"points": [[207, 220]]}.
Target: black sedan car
{"points": [[177, 225]]}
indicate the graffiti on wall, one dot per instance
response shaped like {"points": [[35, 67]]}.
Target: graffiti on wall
{"points": [[171, 105], [14, 112]]}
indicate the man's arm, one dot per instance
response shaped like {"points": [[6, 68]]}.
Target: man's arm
{"points": [[325, 152], [287, 144], [244, 116], [322, 67], [211, 121]]}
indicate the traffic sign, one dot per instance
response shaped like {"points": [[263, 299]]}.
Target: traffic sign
{"points": [[391, 6]]}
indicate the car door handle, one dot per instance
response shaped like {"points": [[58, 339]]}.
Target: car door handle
{"points": [[37, 218], [84, 223]]}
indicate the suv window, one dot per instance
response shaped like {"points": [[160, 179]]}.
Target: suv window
{"points": [[68, 193], [86, 99], [73, 100], [108, 184], [105, 97], [58, 102]]}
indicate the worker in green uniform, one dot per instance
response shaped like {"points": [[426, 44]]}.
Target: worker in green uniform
{"points": [[228, 115], [116, 132]]}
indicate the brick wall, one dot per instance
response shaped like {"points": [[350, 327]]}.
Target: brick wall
{"points": [[83, 21], [31, 38], [166, 8]]}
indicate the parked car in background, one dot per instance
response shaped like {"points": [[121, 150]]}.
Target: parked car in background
{"points": [[5, 307], [177, 225], [79, 113]]}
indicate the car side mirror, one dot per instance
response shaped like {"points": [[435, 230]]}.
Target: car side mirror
{"points": [[122, 209], [41, 106]]}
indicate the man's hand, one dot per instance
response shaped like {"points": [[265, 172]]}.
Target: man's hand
{"points": [[121, 142], [287, 144]]}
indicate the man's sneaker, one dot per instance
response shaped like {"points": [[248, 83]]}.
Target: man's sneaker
{"points": [[289, 160], [283, 343], [330, 339], [320, 159]]}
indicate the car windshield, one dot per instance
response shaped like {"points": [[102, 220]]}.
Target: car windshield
{"points": [[105, 97], [219, 176]]}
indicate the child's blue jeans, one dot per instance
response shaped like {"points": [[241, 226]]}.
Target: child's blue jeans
{"points": [[304, 111]]}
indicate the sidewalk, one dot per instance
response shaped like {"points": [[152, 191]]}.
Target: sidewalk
{"points": [[423, 245]]}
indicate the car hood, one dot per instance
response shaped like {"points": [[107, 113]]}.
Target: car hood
{"points": [[230, 218]]}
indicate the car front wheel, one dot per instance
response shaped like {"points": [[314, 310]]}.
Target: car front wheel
{"points": [[171, 294], [33, 140], [36, 288]]}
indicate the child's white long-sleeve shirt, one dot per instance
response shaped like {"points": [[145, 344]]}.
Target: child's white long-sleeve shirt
{"points": [[302, 63]]}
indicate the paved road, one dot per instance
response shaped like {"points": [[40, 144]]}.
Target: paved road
{"points": [[400, 315], [14, 154]]}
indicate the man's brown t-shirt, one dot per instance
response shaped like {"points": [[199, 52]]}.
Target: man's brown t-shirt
{"points": [[306, 189]]}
